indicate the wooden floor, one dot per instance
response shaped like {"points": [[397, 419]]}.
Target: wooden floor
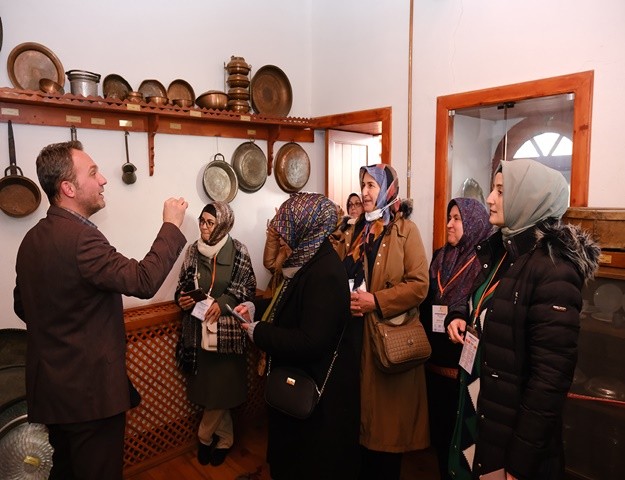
{"points": [[248, 457]]}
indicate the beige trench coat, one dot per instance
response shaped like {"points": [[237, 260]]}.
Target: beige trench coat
{"points": [[394, 411]]}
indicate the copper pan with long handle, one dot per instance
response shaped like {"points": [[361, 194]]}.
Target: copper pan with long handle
{"points": [[19, 195]]}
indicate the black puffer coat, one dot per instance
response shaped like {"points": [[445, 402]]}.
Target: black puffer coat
{"points": [[529, 348]]}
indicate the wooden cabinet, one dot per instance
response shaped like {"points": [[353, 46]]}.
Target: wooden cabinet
{"points": [[594, 421]]}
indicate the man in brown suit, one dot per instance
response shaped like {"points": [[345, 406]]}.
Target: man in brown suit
{"points": [[69, 288]]}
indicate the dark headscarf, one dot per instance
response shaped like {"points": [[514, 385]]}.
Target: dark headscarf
{"points": [[304, 221], [224, 220], [451, 259]]}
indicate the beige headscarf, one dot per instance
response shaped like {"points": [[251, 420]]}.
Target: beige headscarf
{"points": [[532, 192]]}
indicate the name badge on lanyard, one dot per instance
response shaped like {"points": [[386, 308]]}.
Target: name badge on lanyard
{"points": [[439, 312], [469, 349]]}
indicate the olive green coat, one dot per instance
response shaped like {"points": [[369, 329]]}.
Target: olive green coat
{"points": [[394, 412]]}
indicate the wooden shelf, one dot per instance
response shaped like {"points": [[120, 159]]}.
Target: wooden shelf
{"points": [[38, 108]]}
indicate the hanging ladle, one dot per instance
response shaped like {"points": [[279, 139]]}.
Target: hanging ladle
{"points": [[128, 176]]}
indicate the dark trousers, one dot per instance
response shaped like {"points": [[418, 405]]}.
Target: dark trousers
{"points": [[380, 465], [88, 450]]}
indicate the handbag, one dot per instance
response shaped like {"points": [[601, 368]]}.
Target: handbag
{"points": [[400, 343], [292, 391]]}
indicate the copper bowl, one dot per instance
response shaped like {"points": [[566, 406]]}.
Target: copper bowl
{"points": [[158, 100], [213, 99], [134, 97], [48, 85], [239, 93], [239, 106], [238, 80], [182, 102]]}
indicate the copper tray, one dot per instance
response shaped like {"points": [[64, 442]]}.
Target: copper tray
{"points": [[220, 181], [180, 89], [30, 62], [12, 346], [13, 381], [271, 91], [115, 86], [152, 88], [250, 165], [292, 167]]}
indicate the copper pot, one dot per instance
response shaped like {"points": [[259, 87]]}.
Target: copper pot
{"points": [[238, 80], [237, 65], [213, 99]]}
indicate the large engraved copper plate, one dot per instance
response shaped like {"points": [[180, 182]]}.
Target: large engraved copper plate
{"points": [[292, 167], [250, 165], [271, 91], [13, 381], [220, 181], [30, 62]]}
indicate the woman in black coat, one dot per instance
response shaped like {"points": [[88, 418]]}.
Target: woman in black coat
{"points": [[301, 329], [525, 311]]}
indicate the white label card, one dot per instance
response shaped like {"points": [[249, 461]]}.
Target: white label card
{"points": [[439, 312], [200, 308], [469, 351]]}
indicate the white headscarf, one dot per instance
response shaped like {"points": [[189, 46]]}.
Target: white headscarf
{"points": [[532, 193]]}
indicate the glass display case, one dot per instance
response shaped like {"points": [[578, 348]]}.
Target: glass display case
{"points": [[594, 417]]}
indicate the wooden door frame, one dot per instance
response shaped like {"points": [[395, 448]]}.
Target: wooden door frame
{"points": [[580, 84]]}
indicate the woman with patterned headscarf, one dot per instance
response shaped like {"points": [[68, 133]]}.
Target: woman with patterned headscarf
{"points": [[211, 348], [301, 328], [452, 272], [387, 266], [522, 324]]}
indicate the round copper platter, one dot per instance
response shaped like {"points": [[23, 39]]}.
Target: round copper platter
{"points": [[250, 165], [115, 86], [292, 167], [220, 180], [180, 89], [30, 62], [12, 346], [152, 88], [13, 381], [271, 91]]}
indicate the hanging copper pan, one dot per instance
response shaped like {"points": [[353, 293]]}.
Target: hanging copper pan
{"points": [[250, 165], [19, 196], [292, 167], [220, 181]]}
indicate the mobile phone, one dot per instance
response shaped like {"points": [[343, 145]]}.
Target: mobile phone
{"points": [[198, 295], [236, 315]]}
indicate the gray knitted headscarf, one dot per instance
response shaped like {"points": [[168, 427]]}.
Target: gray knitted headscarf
{"points": [[532, 193]]}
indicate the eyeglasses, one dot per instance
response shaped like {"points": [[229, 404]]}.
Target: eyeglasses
{"points": [[205, 223], [352, 205]]}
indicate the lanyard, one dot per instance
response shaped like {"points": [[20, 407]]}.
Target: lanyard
{"points": [[442, 288], [213, 275], [488, 290], [197, 275]]}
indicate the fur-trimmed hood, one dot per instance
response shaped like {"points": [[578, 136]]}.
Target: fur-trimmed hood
{"points": [[570, 242]]}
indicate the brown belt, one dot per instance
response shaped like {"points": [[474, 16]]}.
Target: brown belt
{"points": [[443, 371]]}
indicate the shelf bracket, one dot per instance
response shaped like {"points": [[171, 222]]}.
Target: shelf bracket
{"points": [[152, 128], [272, 135]]}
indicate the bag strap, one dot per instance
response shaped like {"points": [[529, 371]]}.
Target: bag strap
{"points": [[334, 355]]}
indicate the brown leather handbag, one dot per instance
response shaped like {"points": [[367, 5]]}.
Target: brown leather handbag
{"points": [[400, 343]]}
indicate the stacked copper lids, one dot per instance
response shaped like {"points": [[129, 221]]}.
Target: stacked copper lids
{"points": [[238, 84]]}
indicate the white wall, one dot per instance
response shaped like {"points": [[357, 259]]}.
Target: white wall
{"points": [[339, 56], [163, 40], [469, 45]]}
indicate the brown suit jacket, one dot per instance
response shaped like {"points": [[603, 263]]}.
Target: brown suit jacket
{"points": [[69, 288]]}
